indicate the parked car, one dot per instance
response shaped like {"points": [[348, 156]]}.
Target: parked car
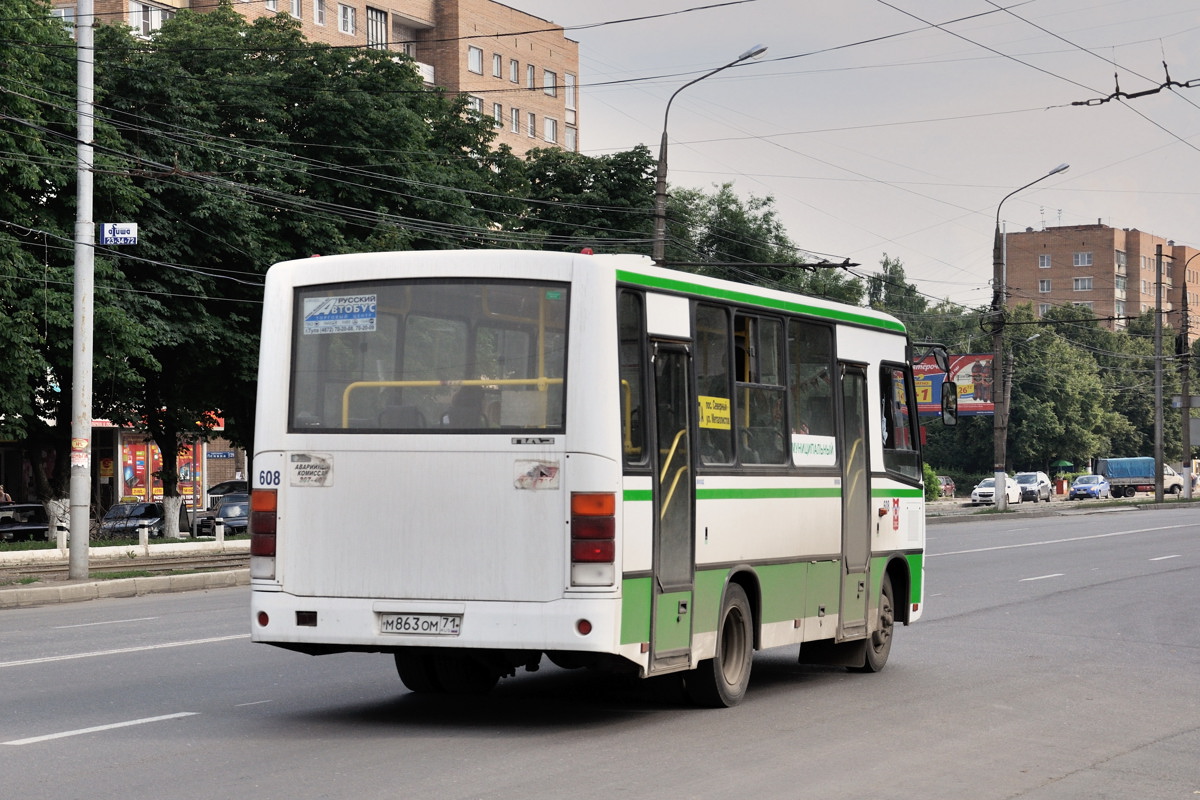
{"points": [[1035, 486], [122, 520], [984, 493], [24, 522], [946, 485], [1094, 486], [228, 487], [233, 510]]}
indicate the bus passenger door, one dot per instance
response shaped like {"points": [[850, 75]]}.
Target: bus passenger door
{"points": [[856, 505], [674, 510]]}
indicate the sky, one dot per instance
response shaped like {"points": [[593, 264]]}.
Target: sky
{"points": [[898, 127]]}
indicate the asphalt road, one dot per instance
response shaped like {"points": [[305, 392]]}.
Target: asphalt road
{"points": [[1059, 658]]}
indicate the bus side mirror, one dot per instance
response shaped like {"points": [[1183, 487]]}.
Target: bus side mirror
{"points": [[949, 402]]}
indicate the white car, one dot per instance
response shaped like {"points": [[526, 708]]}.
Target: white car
{"points": [[985, 492]]}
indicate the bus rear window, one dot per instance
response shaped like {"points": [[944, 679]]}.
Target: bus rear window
{"points": [[447, 356]]}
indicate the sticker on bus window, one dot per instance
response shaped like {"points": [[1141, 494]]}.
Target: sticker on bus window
{"points": [[714, 413], [310, 469], [339, 314], [813, 451], [536, 475]]}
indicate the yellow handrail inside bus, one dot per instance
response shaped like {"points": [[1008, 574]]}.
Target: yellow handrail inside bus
{"points": [[671, 455], [628, 426], [542, 385], [662, 514]]}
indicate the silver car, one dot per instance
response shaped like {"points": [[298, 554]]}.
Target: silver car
{"points": [[1035, 486]]}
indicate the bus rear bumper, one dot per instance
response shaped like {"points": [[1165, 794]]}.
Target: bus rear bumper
{"points": [[330, 625]]}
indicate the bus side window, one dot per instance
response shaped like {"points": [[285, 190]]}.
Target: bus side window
{"points": [[712, 384], [810, 354], [900, 453], [760, 417], [631, 352]]}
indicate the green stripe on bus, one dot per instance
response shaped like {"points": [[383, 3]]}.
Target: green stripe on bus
{"points": [[676, 285], [897, 493]]}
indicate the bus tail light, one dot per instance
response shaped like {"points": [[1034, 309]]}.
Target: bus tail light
{"points": [[593, 538], [264, 521]]}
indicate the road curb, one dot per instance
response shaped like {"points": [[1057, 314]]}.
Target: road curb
{"points": [[78, 591]]}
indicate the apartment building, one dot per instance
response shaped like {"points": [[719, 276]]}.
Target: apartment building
{"points": [[1111, 271], [518, 69]]}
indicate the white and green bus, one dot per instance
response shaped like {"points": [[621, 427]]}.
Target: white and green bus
{"points": [[474, 459]]}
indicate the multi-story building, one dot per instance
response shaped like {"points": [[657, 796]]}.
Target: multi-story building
{"points": [[1111, 271], [518, 69]]}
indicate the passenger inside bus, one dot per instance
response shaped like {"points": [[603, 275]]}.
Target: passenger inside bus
{"points": [[466, 409]]}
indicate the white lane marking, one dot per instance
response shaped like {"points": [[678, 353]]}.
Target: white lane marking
{"points": [[1058, 541], [255, 703], [98, 728], [118, 651], [1041, 577], [1164, 558], [105, 622]]}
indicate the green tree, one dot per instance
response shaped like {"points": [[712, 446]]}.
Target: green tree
{"points": [[233, 145], [745, 241], [604, 202], [888, 290], [37, 210]]}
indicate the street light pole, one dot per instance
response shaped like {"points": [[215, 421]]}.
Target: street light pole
{"points": [[660, 181], [1001, 383], [1186, 400]]}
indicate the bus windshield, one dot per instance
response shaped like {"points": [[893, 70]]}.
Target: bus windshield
{"points": [[429, 356]]}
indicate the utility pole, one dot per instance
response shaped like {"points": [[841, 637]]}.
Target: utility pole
{"points": [[85, 255], [1185, 357], [1158, 375]]}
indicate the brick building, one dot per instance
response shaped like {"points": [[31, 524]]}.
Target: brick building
{"points": [[519, 69], [1109, 270]]}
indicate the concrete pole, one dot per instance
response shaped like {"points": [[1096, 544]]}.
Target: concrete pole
{"points": [[1158, 376], [1186, 411], [85, 254]]}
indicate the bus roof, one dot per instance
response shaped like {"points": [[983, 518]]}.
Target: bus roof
{"points": [[627, 268]]}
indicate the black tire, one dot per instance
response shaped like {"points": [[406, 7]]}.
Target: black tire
{"points": [[721, 681], [416, 670], [879, 645]]}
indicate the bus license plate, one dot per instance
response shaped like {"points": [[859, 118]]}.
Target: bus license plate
{"points": [[421, 624]]}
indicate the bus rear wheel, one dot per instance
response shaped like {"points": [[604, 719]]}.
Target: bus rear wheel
{"points": [[415, 667], [721, 681], [463, 673], [879, 645]]}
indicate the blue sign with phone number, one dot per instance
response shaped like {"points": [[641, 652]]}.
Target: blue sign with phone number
{"points": [[118, 233]]}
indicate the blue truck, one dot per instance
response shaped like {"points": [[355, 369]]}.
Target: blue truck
{"points": [[1129, 475]]}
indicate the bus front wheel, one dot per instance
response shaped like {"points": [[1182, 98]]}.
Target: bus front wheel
{"points": [[721, 681]]}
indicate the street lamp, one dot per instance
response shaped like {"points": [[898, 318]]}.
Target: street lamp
{"points": [[660, 182], [1185, 397], [1001, 386]]}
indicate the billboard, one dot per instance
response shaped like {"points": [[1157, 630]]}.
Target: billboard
{"points": [[973, 374]]}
